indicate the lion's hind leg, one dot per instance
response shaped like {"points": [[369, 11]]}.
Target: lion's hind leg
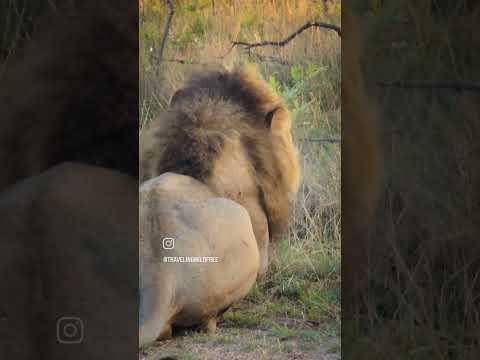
{"points": [[210, 326], [166, 332]]}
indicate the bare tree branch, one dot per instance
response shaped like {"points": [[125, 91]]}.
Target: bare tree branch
{"points": [[247, 46], [291, 37], [425, 84], [171, 10], [281, 43]]}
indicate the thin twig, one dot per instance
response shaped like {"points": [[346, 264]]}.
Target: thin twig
{"points": [[171, 10], [425, 84], [273, 59], [187, 62], [281, 43], [256, 57], [322, 140]]}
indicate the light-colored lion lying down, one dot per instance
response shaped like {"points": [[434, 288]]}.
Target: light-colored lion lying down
{"points": [[211, 262]]}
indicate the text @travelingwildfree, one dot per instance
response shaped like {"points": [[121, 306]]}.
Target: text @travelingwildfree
{"points": [[169, 244]]}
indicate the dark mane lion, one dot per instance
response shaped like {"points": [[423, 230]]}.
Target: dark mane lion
{"points": [[230, 131]]}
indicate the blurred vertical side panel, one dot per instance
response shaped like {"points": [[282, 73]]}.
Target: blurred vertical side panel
{"points": [[362, 166], [68, 179], [411, 274]]}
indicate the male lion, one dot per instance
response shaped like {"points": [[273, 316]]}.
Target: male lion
{"points": [[228, 130]]}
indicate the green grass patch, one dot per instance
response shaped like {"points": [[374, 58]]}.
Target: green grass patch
{"points": [[242, 319]]}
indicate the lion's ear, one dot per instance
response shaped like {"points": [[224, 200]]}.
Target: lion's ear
{"points": [[179, 95], [278, 120]]}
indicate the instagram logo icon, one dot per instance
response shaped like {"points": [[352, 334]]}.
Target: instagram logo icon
{"points": [[168, 243], [69, 330]]}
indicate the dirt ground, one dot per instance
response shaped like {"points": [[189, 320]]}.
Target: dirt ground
{"points": [[233, 343]]}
